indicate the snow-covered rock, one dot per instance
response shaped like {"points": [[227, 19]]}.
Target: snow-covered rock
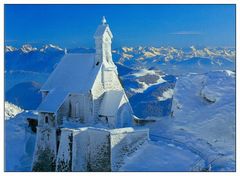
{"points": [[11, 110]]}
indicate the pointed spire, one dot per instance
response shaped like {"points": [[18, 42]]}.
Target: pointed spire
{"points": [[104, 21]]}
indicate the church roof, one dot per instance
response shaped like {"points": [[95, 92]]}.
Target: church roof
{"points": [[74, 74], [111, 102], [53, 101]]}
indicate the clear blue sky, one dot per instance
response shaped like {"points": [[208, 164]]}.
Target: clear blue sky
{"points": [[132, 25]]}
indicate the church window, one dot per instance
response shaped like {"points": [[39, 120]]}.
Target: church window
{"points": [[46, 119]]}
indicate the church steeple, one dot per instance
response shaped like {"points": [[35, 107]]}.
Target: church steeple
{"points": [[104, 21], [103, 41]]}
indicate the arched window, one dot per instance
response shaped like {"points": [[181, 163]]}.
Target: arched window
{"points": [[46, 119]]}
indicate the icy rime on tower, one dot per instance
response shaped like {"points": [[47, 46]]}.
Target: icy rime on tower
{"points": [[84, 91]]}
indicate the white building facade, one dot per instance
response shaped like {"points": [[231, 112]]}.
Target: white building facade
{"points": [[83, 92]]}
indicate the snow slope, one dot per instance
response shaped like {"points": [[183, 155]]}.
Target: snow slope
{"points": [[205, 107], [19, 143], [200, 135], [160, 157]]}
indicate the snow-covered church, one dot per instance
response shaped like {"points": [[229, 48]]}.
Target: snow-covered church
{"points": [[85, 119]]}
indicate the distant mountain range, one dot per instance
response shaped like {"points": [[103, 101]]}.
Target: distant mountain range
{"points": [[148, 74], [168, 59]]}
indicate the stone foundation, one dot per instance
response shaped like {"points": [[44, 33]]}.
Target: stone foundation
{"points": [[97, 150]]}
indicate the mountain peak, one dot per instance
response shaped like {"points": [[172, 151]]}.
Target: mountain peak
{"points": [[27, 48], [10, 48], [51, 47]]}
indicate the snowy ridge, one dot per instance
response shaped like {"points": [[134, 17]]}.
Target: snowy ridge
{"points": [[11, 110], [162, 53], [169, 53], [26, 48]]}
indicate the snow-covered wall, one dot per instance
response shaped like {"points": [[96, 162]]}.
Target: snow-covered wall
{"points": [[91, 150], [97, 93], [99, 150], [124, 116], [81, 107], [42, 120], [45, 149], [64, 156], [95, 149], [80, 149]]}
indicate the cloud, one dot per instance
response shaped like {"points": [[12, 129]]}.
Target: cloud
{"points": [[186, 33]]}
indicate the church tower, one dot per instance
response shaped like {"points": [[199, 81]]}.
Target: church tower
{"points": [[103, 41]]}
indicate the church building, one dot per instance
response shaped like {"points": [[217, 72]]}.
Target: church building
{"points": [[83, 93]]}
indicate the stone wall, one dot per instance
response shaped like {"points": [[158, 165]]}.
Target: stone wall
{"points": [[99, 150], [64, 156], [95, 149], [80, 150], [45, 150]]}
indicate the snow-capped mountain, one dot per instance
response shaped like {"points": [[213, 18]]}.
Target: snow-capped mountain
{"points": [[11, 110], [10, 48], [173, 60], [50, 47], [169, 53], [27, 48], [147, 73], [29, 58], [168, 59]]}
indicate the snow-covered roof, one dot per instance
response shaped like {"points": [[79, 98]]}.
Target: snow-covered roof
{"points": [[101, 30], [52, 102], [111, 102], [75, 74]]}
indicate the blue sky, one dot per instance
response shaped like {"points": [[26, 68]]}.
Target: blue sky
{"points": [[132, 25]]}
